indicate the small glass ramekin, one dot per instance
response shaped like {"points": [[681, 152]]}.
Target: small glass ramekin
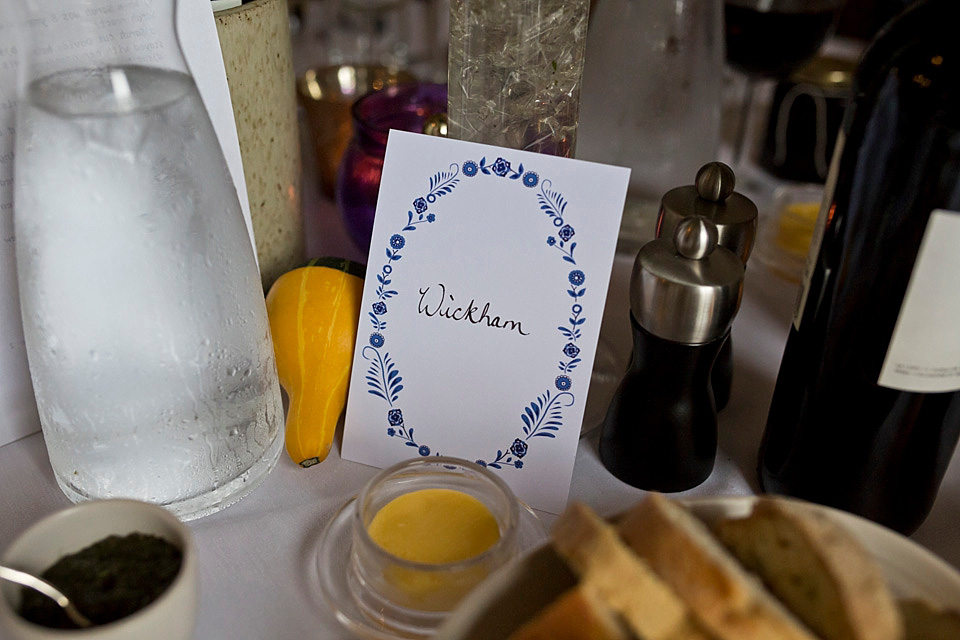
{"points": [[413, 598]]}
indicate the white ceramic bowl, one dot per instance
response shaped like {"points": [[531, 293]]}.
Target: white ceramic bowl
{"points": [[171, 617]]}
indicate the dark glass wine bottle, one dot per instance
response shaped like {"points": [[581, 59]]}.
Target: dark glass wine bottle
{"points": [[866, 411]]}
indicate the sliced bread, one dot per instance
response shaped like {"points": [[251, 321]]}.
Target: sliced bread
{"points": [[577, 614], [923, 620], [815, 566], [730, 603], [592, 548]]}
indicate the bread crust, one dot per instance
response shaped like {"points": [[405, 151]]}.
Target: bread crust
{"points": [[815, 566], [730, 603], [924, 620], [577, 614], [592, 548]]}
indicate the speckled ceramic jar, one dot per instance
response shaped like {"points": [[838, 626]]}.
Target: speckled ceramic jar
{"points": [[255, 41]]}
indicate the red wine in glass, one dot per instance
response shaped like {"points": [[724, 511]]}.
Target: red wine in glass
{"points": [[775, 42], [770, 39]]}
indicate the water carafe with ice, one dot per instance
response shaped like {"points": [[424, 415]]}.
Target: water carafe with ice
{"points": [[143, 313]]}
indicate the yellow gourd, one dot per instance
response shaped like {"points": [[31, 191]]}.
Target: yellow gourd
{"points": [[314, 311]]}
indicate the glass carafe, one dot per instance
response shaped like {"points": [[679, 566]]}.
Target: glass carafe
{"points": [[143, 313]]}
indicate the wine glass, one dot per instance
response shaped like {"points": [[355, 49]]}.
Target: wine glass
{"points": [[366, 32], [769, 39]]}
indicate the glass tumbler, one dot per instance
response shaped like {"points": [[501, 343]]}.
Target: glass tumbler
{"points": [[652, 87], [143, 314], [514, 72], [407, 107]]}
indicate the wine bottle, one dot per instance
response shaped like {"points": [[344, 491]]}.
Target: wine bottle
{"points": [[865, 414]]}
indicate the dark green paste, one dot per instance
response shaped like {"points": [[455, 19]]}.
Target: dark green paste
{"points": [[106, 581]]}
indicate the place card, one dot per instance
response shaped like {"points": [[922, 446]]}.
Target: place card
{"points": [[485, 287]]}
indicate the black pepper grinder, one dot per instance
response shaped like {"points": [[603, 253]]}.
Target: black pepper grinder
{"points": [[660, 431], [712, 196]]}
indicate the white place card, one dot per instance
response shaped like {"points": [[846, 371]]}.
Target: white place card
{"points": [[485, 287]]}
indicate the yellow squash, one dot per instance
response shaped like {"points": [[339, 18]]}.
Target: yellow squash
{"points": [[314, 311]]}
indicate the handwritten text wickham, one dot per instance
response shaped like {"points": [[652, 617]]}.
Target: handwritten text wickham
{"points": [[443, 305]]}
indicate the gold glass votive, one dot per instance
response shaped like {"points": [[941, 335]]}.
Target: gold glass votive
{"points": [[327, 93]]}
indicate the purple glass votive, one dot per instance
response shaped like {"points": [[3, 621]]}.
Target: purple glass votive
{"points": [[404, 107]]}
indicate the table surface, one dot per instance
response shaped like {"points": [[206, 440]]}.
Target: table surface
{"points": [[257, 567], [257, 557]]}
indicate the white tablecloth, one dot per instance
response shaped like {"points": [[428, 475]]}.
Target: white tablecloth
{"points": [[257, 568]]}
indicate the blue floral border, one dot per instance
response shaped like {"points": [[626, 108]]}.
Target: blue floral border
{"points": [[543, 417]]}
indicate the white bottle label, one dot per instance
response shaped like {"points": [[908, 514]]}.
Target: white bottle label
{"points": [[924, 352]]}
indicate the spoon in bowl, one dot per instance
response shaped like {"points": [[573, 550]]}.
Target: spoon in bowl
{"points": [[47, 589]]}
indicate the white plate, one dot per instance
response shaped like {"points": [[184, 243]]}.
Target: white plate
{"points": [[517, 591]]}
